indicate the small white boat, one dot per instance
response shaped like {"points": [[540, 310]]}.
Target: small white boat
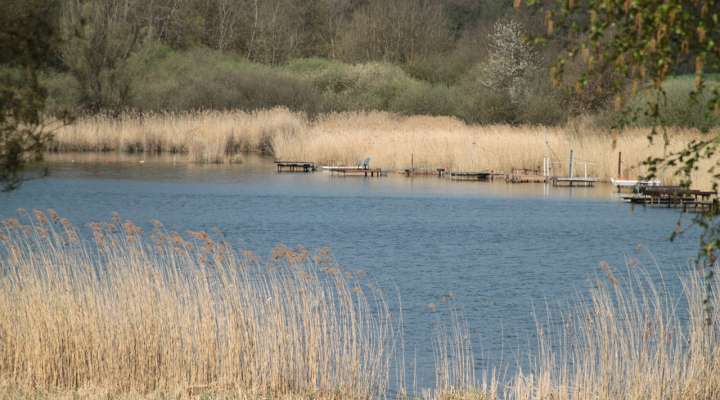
{"points": [[630, 183], [362, 164]]}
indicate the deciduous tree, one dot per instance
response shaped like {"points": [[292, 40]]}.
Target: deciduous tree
{"points": [[28, 39]]}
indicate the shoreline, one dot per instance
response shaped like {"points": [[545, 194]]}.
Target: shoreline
{"points": [[393, 142]]}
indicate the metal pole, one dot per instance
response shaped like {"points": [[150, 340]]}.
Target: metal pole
{"points": [[572, 160]]}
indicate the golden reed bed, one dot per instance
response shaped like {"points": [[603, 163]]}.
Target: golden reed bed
{"points": [[112, 312], [391, 140]]}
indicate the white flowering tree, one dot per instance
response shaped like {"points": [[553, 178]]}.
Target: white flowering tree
{"points": [[510, 59]]}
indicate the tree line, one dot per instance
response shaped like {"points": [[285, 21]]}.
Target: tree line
{"points": [[111, 49], [274, 31]]}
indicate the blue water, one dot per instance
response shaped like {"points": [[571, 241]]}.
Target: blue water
{"points": [[498, 250]]}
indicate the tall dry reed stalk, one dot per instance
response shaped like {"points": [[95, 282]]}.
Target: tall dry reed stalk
{"points": [[455, 376], [391, 140], [634, 339], [128, 312]]}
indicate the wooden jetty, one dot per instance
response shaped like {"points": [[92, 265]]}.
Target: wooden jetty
{"points": [[674, 197], [295, 166], [525, 175], [409, 172], [571, 181], [475, 176], [355, 171]]}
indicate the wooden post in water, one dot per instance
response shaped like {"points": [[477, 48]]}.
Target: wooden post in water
{"points": [[619, 174], [572, 160]]}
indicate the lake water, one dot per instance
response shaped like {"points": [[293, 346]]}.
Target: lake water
{"points": [[499, 250]]}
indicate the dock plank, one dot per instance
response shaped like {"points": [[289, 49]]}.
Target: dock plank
{"points": [[573, 181], [295, 166], [475, 176]]}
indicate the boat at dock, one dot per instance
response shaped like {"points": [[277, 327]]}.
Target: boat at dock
{"points": [[361, 169], [632, 183], [674, 197]]}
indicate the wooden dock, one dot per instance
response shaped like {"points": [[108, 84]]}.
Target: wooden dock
{"points": [[410, 172], [570, 181], [355, 171], [295, 166], [674, 197], [524, 175], [475, 176]]}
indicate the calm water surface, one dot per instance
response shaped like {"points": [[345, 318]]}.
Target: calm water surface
{"points": [[499, 250]]}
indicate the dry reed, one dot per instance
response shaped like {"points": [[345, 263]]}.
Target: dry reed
{"points": [[455, 376], [634, 339], [128, 312], [391, 140]]}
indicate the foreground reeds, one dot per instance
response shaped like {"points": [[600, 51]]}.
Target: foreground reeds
{"points": [[633, 339], [127, 312], [394, 142], [113, 312]]}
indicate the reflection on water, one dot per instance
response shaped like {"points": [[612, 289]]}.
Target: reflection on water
{"points": [[498, 250]]}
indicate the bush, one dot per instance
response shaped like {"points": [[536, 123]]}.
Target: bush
{"points": [[324, 75], [439, 68], [371, 86], [541, 104], [207, 79], [678, 108], [483, 105], [425, 99], [63, 92], [378, 85], [204, 79]]}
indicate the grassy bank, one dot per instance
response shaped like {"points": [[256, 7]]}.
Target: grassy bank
{"points": [[391, 140], [129, 314]]}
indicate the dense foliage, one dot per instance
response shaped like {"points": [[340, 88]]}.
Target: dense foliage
{"points": [[440, 57], [27, 40], [647, 42]]}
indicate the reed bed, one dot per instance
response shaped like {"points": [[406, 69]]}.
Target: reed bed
{"points": [[114, 312], [394, 142], [160, 314], [634, 339], [205, 136]]}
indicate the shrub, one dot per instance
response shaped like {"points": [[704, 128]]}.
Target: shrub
{"points": [[63, 92], [439, 68], [324, 75], [678, 108], [206, 79], [425, 99]]}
